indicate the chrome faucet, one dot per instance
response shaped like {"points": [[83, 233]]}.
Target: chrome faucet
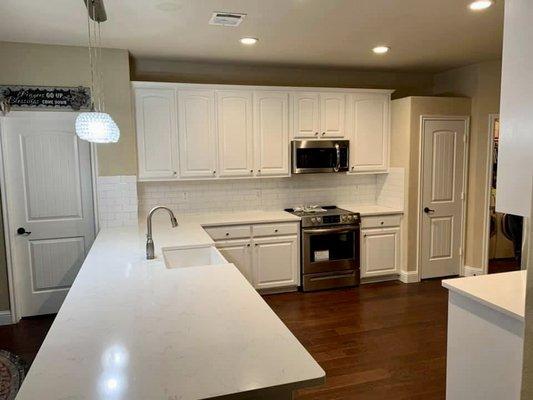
{"points": [[149, 241]]}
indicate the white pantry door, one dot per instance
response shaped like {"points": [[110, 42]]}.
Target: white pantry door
{"points": [[50, 206], [443, 169]]}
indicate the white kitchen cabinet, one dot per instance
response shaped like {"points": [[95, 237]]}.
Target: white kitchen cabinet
{"points": [[235, 133], [380, 251], [332, 115], [318, 115], [275, 262], [271, 133], [238, 252], [156, 123], [196, 132], [370, 132], [267, 254], [305, 114]]}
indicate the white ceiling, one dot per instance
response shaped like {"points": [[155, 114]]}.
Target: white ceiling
{"points": [[424, 34]]}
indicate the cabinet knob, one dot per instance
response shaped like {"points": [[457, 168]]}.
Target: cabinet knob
{"points": [[174, 173], [258, 171], [227, 233], [323, 133], [316, 133], [248, 245], [353, 168], [256, 245], [214, 172], [251, 171]]}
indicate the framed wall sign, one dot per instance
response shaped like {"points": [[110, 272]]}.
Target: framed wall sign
{"points": [[44, 97]]}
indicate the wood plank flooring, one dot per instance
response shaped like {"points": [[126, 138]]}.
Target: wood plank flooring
{"points": [[379, 341]]}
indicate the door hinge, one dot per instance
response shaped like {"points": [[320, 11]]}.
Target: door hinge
{"points": [[462, 195]]}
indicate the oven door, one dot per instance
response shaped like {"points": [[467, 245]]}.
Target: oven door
{"points": [[330, 249]]}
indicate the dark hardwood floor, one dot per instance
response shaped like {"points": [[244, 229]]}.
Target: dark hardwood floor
{"points": [[379, 341]]}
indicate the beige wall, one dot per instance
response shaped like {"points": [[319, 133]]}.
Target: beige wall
{"points": [[405, 83], [481, 82], [34, 64], [405, 152]]}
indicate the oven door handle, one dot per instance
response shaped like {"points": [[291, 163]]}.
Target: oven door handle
{"points": [[330, 230], [338, 164]]}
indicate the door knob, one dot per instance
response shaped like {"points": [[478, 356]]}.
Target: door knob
{"points": [[22, 231], [428, 210]]}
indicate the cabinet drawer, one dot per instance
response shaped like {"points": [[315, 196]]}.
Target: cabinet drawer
{"points": [[228, 232], [380, 221], [275, 229]]}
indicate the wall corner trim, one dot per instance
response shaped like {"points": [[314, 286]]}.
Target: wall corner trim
{"points": [[409, 276]]}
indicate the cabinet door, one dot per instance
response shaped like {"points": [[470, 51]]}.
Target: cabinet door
{"points": [[196, 132], [380, 252], [332, 115], [276, 262], [369, 147], [305, 109], [235, 135], [238, 252], [271, 133], [156, 123]]}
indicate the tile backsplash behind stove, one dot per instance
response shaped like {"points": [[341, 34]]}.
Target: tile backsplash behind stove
{"points": [[269, 193]]}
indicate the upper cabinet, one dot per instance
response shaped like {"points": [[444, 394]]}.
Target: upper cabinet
{"points": [[318, 115], [305, 119], [370, 132], [190, 131], [271, 133], [235, 133], [196, 133], [156, 123], [332, 115]]}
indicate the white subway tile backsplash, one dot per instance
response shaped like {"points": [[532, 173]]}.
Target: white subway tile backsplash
{"points": [[390, 188], [117, 201], [258, 194]]}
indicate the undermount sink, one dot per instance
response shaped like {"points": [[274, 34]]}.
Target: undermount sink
{"points": [[192, 257]]}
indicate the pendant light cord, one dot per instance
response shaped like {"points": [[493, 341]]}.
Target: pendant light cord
{"points": [[95, 59]]}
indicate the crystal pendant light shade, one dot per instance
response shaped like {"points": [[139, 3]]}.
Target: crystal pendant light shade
{"points": [[97, 127]]}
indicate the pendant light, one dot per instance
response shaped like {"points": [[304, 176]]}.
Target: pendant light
{"points": [[96, 125]]}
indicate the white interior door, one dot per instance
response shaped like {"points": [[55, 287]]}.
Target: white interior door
{"points": [[443, 169], [50, 197]]}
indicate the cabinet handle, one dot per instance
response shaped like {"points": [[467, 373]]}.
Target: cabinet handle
{"points": [[248, 245], [214, 172], [251, 171], [227, 233], [323, 133], [353, 168], [275, 230], [258, 171], [316, 133], [174, 173], [256, 244]]}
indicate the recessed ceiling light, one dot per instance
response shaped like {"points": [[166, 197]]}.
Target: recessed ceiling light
{"points": [[381, 49], [248, 40], [480, 5]]}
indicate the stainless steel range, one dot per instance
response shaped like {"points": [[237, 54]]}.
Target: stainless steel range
{"points": [[330, 247]]}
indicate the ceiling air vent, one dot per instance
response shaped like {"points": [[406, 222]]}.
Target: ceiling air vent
{"points": [[226, 19]]}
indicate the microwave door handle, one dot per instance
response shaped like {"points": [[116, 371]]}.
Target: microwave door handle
{"points": [[338, 151]]}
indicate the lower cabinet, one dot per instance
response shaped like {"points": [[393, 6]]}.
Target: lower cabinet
{"points": [[238, 252], [275, 262], [380, 251], [267, 262]]}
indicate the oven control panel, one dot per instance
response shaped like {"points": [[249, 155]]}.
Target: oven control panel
{"points": [[339, 219]]}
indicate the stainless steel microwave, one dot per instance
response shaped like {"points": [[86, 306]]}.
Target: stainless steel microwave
{"points": [[315, 156]]}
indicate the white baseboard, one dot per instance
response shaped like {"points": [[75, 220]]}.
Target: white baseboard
{"points": [[376, 279], [409, 277], [5, 317], [472, 271]]}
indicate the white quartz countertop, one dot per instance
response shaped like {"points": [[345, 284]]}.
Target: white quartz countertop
{"points": [[504, 292], [133, 329], [369, 210]]}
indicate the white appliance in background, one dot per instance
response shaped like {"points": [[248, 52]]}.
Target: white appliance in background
{"points": [[50, 212]]}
